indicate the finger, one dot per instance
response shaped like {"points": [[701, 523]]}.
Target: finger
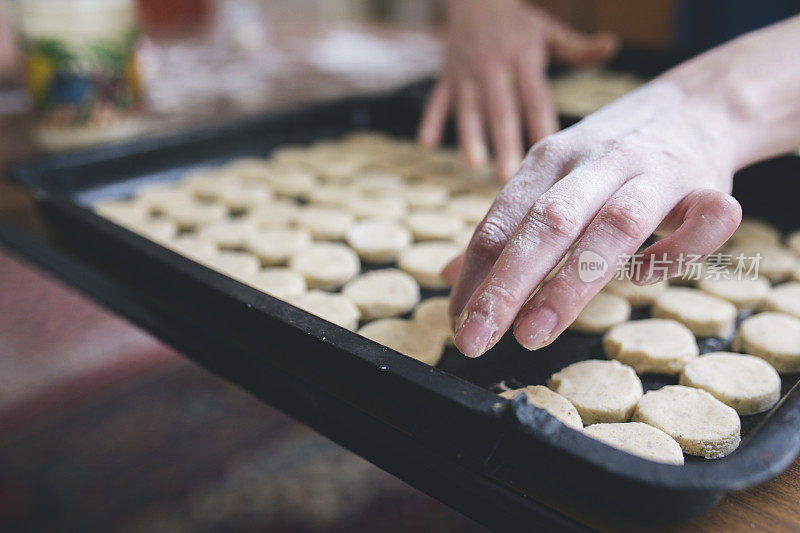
{"points": [[435, 115], [704, 219], [469, 123], [575, 48], [545, 164], [545, 235], [541, 118], [626, 220], [504, 123], [450, 272]]}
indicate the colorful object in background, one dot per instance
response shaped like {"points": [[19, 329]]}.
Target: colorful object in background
{"points": [[80, 68]]}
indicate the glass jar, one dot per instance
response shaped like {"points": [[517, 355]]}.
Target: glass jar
{"points": [[79, 58]]}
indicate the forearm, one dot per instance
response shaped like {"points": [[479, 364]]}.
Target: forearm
{"points": [[751, 86]]}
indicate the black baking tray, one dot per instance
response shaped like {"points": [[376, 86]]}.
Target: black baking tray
{"points": [[442, 429]]}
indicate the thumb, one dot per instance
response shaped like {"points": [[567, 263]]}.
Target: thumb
{"points": [[578, 49]]}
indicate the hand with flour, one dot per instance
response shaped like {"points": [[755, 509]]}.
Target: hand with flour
{"points": [[496, 57], [660, 159]]}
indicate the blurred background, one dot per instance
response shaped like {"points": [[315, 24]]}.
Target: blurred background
{"points": [[101, 426]]}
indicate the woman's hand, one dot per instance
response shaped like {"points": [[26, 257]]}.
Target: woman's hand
{"points": [[496, 57], [655, 160]]}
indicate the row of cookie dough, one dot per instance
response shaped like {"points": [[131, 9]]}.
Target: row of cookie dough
{"points": [[606, 395]]}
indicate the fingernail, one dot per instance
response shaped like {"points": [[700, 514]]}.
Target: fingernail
{"points": [[542, 322], [477, 154], [473, 334]]}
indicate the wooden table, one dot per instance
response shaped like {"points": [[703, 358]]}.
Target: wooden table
{"points": [[773, 506]]}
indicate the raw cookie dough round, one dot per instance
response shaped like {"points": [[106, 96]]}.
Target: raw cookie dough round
{"points": [[275, 246], [325, 223], [276, 214], [637, 295], [121, 211], [326, 265], [470, 207], [389, 207], [638, 439], [550, 401], [383, 293], [191, 246], [426, 260], [784, 298], [652, 345], [601, 391], [774, 337], [279, 282], [190, 214], [406, 337], [241, 197], [332, 307], [602, 312], [756, 232], [331, 195], [434, 313], [705, 315], [378, 241], [793, 242], [700, 423], [158, 196], [294, 182], [433, 225], [237, 265], [776, 263], [745, 382], [229, 233], [463, 237], [426, 195], [745, 294]]}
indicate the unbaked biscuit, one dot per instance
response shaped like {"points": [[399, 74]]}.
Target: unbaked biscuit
{"points": [[602, 312], [406, 337], [378, 241], [237, 265], [774, 337], [470, 207], [552, 402], [700, 423], [601, 391], [433, 225], [325, 223], [754, 232], [637, 295], [434, 313], [326, 265], [745, 382], [190, 214], [651, 345], [278, 213], [383, 293], [229, 233], [638, 439], [745, 294], [334, 308], [426, 260], [279, 282], [389, 207], [705, 315], [275, 246], [784, 298]]}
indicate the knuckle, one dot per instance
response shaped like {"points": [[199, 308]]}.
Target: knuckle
{"points": [[625, 218], [490, 238], [557, 215], [498, 296]]}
